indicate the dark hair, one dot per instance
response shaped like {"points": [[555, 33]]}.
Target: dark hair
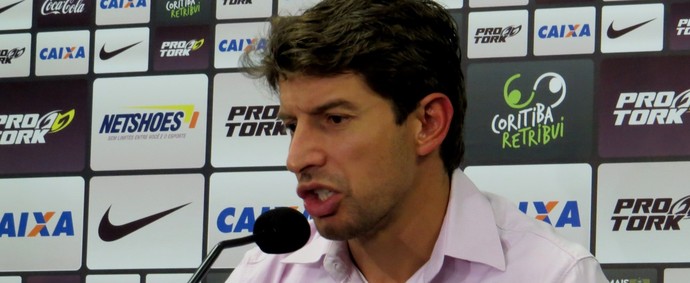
{"points": [[404, 49]]}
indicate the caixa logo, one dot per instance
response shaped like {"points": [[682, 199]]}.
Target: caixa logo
{"points": [[646, 214], [62, 53], [242, 44], [569, 214], [121, 4], [241, 219], [36, 224]]}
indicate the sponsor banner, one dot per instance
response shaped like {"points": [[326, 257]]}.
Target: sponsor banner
{"points": [[15, 14], [630, 275], [112, 278], [15, 55], [294, 7], [41, 223], [496, 3], [451, 4], [540, 2], [564, 31], [132, 226], [10, 279], [235, 201], [497, 34], [645, 214], [678, 26], [44, 127], [183, 11], [559, 195], [246, 130], [233, 40], [241, 9], [149, 122], [676, 275], [121, 50], [115, 12], [63, 13], [644, 113], [54, 279], [632, 28], [181, 48], [166, 278], [537, 112], [62, 52]]}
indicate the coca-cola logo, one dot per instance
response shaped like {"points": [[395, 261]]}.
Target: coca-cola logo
{"points": [[53, 7]]}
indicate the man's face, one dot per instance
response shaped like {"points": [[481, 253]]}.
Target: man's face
{"points": [[355, 166]]}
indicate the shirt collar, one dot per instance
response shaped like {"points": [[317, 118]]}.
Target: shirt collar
{"points": [[315, 248], [469, 231]]}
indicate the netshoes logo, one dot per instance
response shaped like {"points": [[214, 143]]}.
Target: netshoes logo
{"points": [[32, 128], [62, 7], [150, 125], [241, 219], [258, 120], [683, 27], [645, 214], [570, 214], [533, 123], [649, 108], [244, 45], [6, 55], [122, 4], [180, 48], [35, 224], [182, 8], [495, 34], [564, 31], [62, 53]]}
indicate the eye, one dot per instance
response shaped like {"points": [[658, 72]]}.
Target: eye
{"points": [[336, 119], [290, 126]]}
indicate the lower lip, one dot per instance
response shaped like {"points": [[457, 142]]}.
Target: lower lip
{"points": [[318, 208]]}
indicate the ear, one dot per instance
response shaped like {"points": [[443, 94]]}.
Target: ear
{"points": [[434, 113]]}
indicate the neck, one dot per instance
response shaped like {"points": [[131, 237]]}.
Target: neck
{"points": [[395, 253]]}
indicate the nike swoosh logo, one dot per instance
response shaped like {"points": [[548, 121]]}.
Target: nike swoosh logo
{"points": [[3, 9], [105, 55], [110, 232], [614, 33]]}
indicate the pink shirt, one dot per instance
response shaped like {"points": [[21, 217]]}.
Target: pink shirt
{"points": [[484, 238]]}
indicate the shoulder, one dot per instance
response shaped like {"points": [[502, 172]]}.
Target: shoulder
{"points": [[530, 243], [258, 266], [517, 228]]}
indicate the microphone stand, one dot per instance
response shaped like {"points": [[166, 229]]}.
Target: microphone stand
{"points": [[215, 252]]}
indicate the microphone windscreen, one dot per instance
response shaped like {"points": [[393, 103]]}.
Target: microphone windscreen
{"points": [[281, 230]]}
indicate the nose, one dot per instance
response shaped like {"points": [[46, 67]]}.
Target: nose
{"points": [[307, 150]]}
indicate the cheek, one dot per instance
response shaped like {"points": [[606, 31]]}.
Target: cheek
{"points": [[386, 166]]}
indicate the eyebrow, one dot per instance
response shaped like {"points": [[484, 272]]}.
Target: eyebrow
{"points": [[338, 103]]}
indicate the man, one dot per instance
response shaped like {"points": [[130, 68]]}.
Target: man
{"points": [[373, 95]]}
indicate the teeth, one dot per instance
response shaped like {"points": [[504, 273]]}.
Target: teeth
{"points": [[323, 194]]}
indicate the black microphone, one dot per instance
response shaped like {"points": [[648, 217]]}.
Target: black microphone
{"points": [[277, 231]]}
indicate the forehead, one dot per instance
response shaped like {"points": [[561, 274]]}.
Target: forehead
{"points": [[303, 93]]}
